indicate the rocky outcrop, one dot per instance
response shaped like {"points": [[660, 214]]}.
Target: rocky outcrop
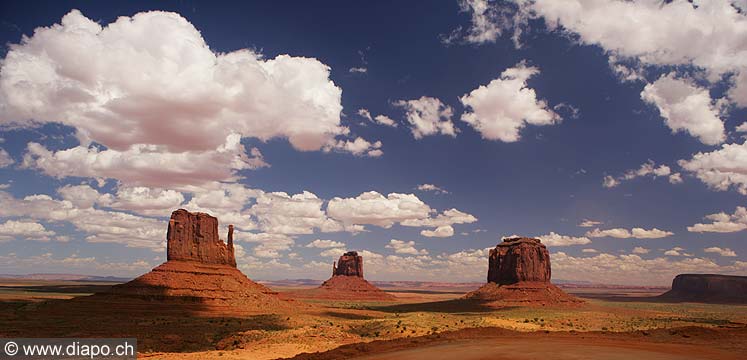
{"points": [[350, 264], [346, 283], [708, 288], [519, 259], [194, 237], [199, 276], [519, 274]]}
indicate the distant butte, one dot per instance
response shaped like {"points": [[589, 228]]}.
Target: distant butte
{"points": [[708, 288], [346, 283], [519, 273]]}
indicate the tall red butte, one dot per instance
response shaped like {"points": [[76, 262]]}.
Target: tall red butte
{"points": [[200, 275], [519, 273], [194, 237], [346, 283]]}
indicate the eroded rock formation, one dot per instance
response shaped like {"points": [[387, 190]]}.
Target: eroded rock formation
{"points": [[350, 264], [708, 288], [194, 237], [346, 283], [519, 273], [200, 275], [519, 259]]}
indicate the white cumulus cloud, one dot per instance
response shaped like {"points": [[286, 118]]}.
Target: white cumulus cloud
{"points": [[405, 247], [441, 231], [24, 229], [499, 110], [5, 159], [640, 250], [428, 116], [372, 208], [554, 239], [637, 233], [722, 168], [151, 91], [280, 213], [686, 107], [723, 222], [708, 35], [726, 252], [324, 244]]}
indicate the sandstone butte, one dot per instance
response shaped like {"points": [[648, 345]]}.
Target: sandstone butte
{"points": [[350, 264], [346, 283], [200, 275], [519, 273], [708, 288]]}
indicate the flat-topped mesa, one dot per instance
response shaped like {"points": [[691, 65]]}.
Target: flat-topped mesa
{"points": [[194, 237], [519, 259], [350, 264], [713, 288]]}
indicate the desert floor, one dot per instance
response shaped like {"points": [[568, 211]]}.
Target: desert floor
{"points": [[422, 323]]}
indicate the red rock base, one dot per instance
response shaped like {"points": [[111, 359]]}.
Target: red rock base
{"points": [[193, 287], [523, 294], [341, 287]]}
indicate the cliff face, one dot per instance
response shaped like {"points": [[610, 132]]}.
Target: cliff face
{"points": [[350, 264], [199, 276], [519, 259], [194, 237], [708, 288], [519, 273]]}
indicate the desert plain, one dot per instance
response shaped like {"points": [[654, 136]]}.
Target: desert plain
{"points": [[425, 320]]}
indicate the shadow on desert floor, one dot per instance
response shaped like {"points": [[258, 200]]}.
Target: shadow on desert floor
{"points": [[621, 297], [427, 292], [60, 289], [184, 327], [445, 306]]}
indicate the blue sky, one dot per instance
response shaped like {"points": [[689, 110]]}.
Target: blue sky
{"points": [[417, 135]]}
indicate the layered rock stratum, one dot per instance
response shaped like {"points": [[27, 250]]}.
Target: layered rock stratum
{"points": [[200, 275], [194, 237], [709, 288], [517, 260], [346, 283], [519, 273], [349, 264]]}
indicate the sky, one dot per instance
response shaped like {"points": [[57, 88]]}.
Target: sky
{"points": [[417, 135]]}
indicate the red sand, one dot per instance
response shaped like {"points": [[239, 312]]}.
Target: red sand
{"points": [[524, 294], [341, 287], [497, 343]]}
